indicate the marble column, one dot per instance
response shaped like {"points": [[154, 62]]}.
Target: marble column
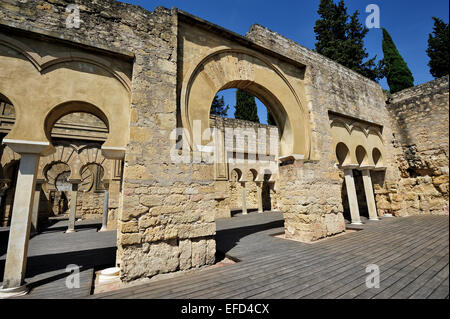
{"points": [[244, 199], [73, 209], [35, 213], [19, 234], [259, 186], [352, 198], [105, 212], [370, 198]]}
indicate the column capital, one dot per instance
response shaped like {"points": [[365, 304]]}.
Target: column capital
{"points": [[30, 147]]}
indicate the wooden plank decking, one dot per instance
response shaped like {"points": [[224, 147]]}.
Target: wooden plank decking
{"points": [[412, 255], [51, 251]]}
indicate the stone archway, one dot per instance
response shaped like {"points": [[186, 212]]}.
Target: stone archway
{"points": [[225, 68]]}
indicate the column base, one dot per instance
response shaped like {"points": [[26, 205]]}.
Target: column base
{"points": [[103, 229], [13, 292], [70, 231], [388, 215], [357, 223], [374, 219]]}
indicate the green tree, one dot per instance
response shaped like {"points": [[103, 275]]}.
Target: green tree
{"points": [[398, 75], [438, 49], [270, 119], [218, 106], [246, 108], [340, 37]]}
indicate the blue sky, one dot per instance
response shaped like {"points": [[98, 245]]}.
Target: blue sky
{"points": [[408, 22]]}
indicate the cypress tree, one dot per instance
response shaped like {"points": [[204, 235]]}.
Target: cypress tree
{"points": [[438, 49], [398, 75], [246, 108], [218, 106], [340, 37], [270, 119]]}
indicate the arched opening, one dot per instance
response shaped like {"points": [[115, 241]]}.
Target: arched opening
{"points": [[78, 130], [9, 166], [342, 154], [361, 156], [77, 121], [226, 68], [7, 116], [58, 187], [377, 157]]}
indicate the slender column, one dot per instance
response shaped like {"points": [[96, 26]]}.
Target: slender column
{"points": [[244, 199], [352, 198], [259, 186], [368, 188], [105, 212], [35, 213], [73, 208], [16, 258]]}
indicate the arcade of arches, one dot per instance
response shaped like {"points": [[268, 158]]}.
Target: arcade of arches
{"points": [[92, 111]]}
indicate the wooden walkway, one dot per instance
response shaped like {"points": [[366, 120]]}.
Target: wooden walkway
{"points": [[412, 255], [51, 251]]}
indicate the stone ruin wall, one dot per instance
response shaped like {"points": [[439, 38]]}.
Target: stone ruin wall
{"points": [[82, 129], [166, 217], [420, 118], [166, 222], [311, 190], [233, 195]]}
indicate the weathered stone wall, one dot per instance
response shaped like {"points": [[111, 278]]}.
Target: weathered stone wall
{"points": [[235, 188], [167, 217], [311, 191], [167, 209], [420, 118]]}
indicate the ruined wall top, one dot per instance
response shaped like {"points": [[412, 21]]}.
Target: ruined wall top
{"points": [[105, 24], [417, 92], [296, 51]]}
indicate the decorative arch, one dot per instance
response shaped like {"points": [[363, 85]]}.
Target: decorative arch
{"points": [[338, 122], [238, 175], [254, 174], [52, 170], [66, 108], [343, 154], [361, 156], [377, 158], [224, 68], [43, 63]]}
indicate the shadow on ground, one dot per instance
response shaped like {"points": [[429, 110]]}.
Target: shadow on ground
{"points": [[227, 239]]}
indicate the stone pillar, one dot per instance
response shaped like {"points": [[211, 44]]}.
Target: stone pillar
{"points": [[244, 199], [35, 213], [352, 198], [370, 198], [259, 186], [73, 209], [16, 258], [105, 212]]}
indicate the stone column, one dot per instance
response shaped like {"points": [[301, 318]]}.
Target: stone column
{"points": [[73, 209], [16, 258], [352, 198], [259, 186], [244, 199], [370, 198], [35, 213], [105, 212]]}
